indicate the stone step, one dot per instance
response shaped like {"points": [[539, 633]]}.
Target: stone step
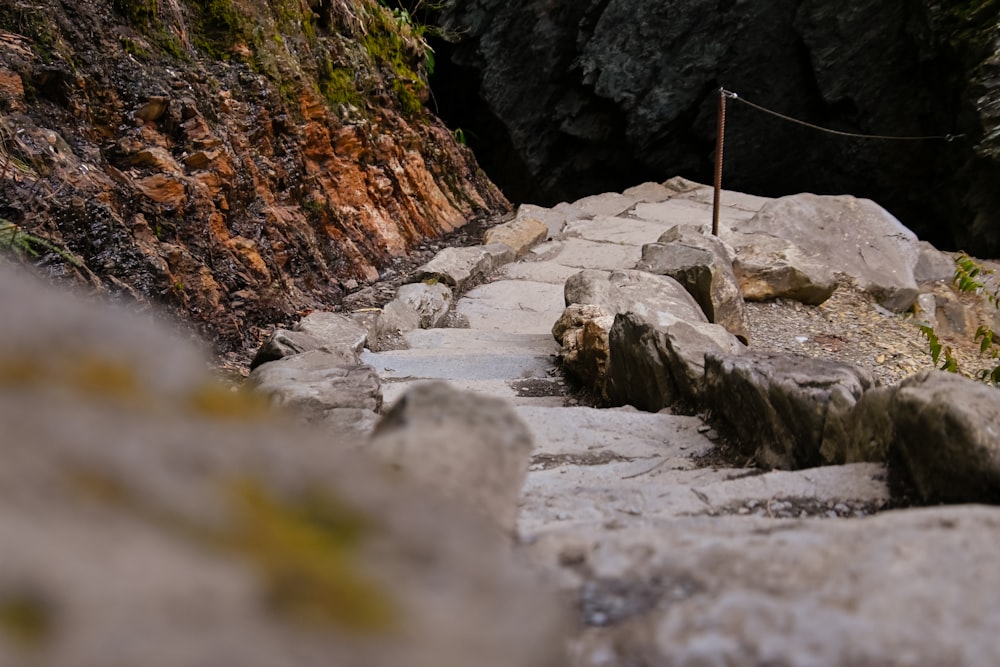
{"points": [[535, 392], [627, 432], [622, 231], [514, 306], [584, 254], [481, 340], [912, 587], [437, 364], [624, 491]]}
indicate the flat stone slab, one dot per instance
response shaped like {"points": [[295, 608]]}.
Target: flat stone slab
{"points": [[649, 192], [480, 340], [585, 254], [626, 431], [728, 199], [910, 587], [610, 203], [625, 231], [843, 489], [539, 272], [591, 464], [513, 391], [448, 365], [689, 213], [605, 492], [516, 306]]}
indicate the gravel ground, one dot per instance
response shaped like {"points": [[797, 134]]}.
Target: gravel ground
{"points": [[850, 327]]}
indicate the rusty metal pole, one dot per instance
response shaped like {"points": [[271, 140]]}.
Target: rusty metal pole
{"points": [[720, 141]]}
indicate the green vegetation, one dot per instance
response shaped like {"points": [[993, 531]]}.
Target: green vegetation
{"points": [[970, 278], [25, 245], [398, 46], [337, 84], [220, 26], [32, 22], [140, 13], [975, 23]]}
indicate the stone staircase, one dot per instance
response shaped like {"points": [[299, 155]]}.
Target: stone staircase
{"points": [[664, 553]]}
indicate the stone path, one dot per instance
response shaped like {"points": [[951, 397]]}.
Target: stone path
{"points": [[618, 466], [662, 555], [669, 560]]}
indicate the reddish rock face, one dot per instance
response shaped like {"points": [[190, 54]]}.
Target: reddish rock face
{"points": [[237, 172]]}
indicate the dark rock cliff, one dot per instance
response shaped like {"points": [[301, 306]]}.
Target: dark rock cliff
{"points": [[572, 98], [239, 161]]}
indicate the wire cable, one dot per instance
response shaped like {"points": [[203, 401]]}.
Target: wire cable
{"points": [[941, 137]]}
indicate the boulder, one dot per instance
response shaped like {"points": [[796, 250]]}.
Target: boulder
{"points": [[943, 430], [321, 387], [521, 234], [856, 236], [284, 343], [461, 267], [553, 218], [786, 410], [471, 448], [771, 268], [933, 266], [339, 334], [704, 266], [165, 520], [659, 298], [397, 317], [582, 331], [655, 365], [430, 300]]}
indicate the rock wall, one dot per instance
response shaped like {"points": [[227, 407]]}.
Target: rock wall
{"points": [[576, 98], [239, 161]]}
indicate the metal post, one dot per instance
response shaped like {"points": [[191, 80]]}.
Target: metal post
{"points": [[720, 140]]}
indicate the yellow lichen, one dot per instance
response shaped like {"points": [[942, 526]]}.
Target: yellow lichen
{"points": [[24, 620], [213, 399], [308, 552]]}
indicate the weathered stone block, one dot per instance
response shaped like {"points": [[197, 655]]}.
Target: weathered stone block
{"points": [[784, 409]]}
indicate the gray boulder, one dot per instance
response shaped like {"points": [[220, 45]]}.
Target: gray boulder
{"points": [[395, 319], [318, 385], [786, 410], [856, 236], [284, 343], [473, 449], [942, 428], [552, 218], [933, 266], [660, 299], [654, 365], [339, 334], [656, 357], [521, 234], [771, 268], [162, 506], [461, 267], [704, 266], [430, 300]]}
